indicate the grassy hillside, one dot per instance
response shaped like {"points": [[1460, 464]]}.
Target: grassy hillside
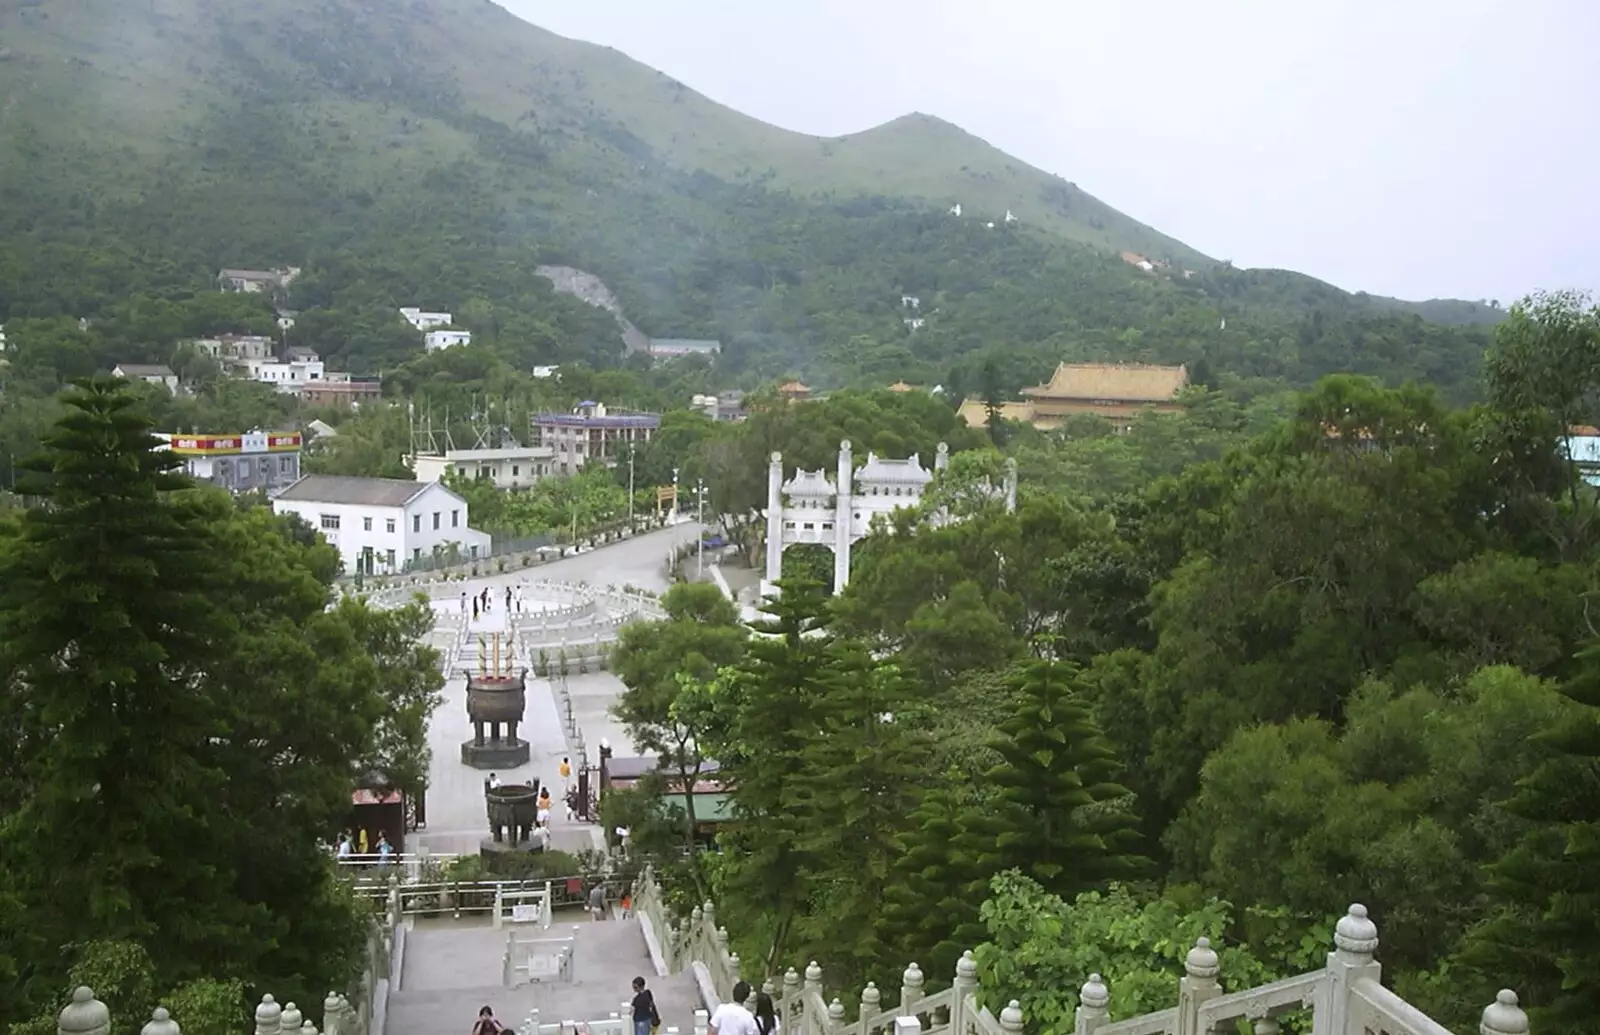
{"points": [[434, 152]]}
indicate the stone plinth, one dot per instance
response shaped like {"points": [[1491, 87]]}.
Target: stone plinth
{"points": [[513, 809], [495, 705]]}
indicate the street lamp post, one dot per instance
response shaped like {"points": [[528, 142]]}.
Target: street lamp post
{"points": [[672, 548], [700, 530], [630, 489]]}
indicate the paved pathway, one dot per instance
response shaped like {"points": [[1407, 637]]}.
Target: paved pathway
{"points": [[456, 820], [451, 970], [454, 967]]}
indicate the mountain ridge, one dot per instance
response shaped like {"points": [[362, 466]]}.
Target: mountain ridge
{"points": [[434, 152]]}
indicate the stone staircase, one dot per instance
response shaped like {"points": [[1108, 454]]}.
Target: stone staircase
{"points": [[451, 970]]}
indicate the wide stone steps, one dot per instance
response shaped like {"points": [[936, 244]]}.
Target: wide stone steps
{"points": [[453, 970]]}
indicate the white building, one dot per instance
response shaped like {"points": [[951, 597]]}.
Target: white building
{"points": [[433, 341], [284, 375], [382, 525], [515, 467], [424, 321], [149, 373], [813, 508]]}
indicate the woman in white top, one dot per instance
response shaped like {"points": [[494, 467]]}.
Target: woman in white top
{"points": [[766, 1015]]}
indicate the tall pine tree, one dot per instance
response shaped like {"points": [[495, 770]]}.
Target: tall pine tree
{"points": [[1545, 941], [105, 634], [772, 718], [863, 770], [930, 908], [1061, 818]]}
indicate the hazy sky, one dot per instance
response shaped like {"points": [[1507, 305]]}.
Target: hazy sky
{"points": [[1419, 148]]}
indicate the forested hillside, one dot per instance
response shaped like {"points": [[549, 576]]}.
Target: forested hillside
{"points": [[435, 153]]}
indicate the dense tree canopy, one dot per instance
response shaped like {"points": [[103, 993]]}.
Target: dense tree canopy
{"points": [[186, 718]]}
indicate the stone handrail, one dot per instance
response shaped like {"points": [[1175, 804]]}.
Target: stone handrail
{"points": [[1345, 997], [697, 943], [86, 1015]]}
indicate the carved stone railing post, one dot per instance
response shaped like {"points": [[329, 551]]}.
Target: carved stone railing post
{"points": [[1355, 941], [836, 1016], [816, 1021], [332, 1021], [289, 1022], [702, 1023], [910, 990], [1093, 1002], [871, 1006], [1198, 985], [791, 997], [965, 986], [1011, 1018], [160, 1023], [1504, 1016], [268, 1016], [84, 1015]]}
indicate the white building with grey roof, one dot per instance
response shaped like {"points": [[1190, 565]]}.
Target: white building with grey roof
{"points": [[383, 525]]}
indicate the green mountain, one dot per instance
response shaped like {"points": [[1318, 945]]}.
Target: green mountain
{"points": [[433, 152]]}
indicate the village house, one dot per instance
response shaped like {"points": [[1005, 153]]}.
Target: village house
{"points": [[673, 348], [1118, 392], [383, 525], [149, 373], [256, 461], [447, 338], [511, 467], [591, 433], [340, 391], [270, 282], [423, 320]]}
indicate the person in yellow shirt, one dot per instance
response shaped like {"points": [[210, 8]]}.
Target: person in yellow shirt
{"points": [[566, 773]]}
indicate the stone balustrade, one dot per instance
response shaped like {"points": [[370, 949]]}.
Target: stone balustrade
{"points": [[86, 1015], [1345, 997], [361, 1012]]}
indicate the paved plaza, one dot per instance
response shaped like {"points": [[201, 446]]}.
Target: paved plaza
{"points": [[452, 968]]}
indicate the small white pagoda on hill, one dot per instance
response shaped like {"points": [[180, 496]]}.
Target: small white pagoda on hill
{"points": [[837, 512]]}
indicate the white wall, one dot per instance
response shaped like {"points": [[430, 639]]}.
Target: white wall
{"points": [[361, 526], [436, 340]]}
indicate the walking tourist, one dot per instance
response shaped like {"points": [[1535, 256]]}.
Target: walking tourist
{"points": [[463, 601], [597, 901], [361, 842], [487, 1025], [345, 847], [565, 770], [543, 818], [766, 1015], [494, 781], [646, 1018], [385, 849], [508, 600], [518, 598], [572, 804], [731, 1018], [474, 609]]}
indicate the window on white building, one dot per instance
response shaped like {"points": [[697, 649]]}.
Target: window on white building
{"points": [[455, 519], [391, 552], [330, 522], [366, 524], [416, 522], [390, 528], [436, 521]]}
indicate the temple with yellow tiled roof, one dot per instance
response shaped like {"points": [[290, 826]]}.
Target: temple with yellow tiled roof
{"points": [[1119, 392]]}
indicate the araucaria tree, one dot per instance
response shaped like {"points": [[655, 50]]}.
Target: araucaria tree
{"points": [[1060, 818], [184, 718], [1546, 935]]}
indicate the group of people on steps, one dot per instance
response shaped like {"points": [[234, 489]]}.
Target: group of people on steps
{"points": [[731, 1018]]}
